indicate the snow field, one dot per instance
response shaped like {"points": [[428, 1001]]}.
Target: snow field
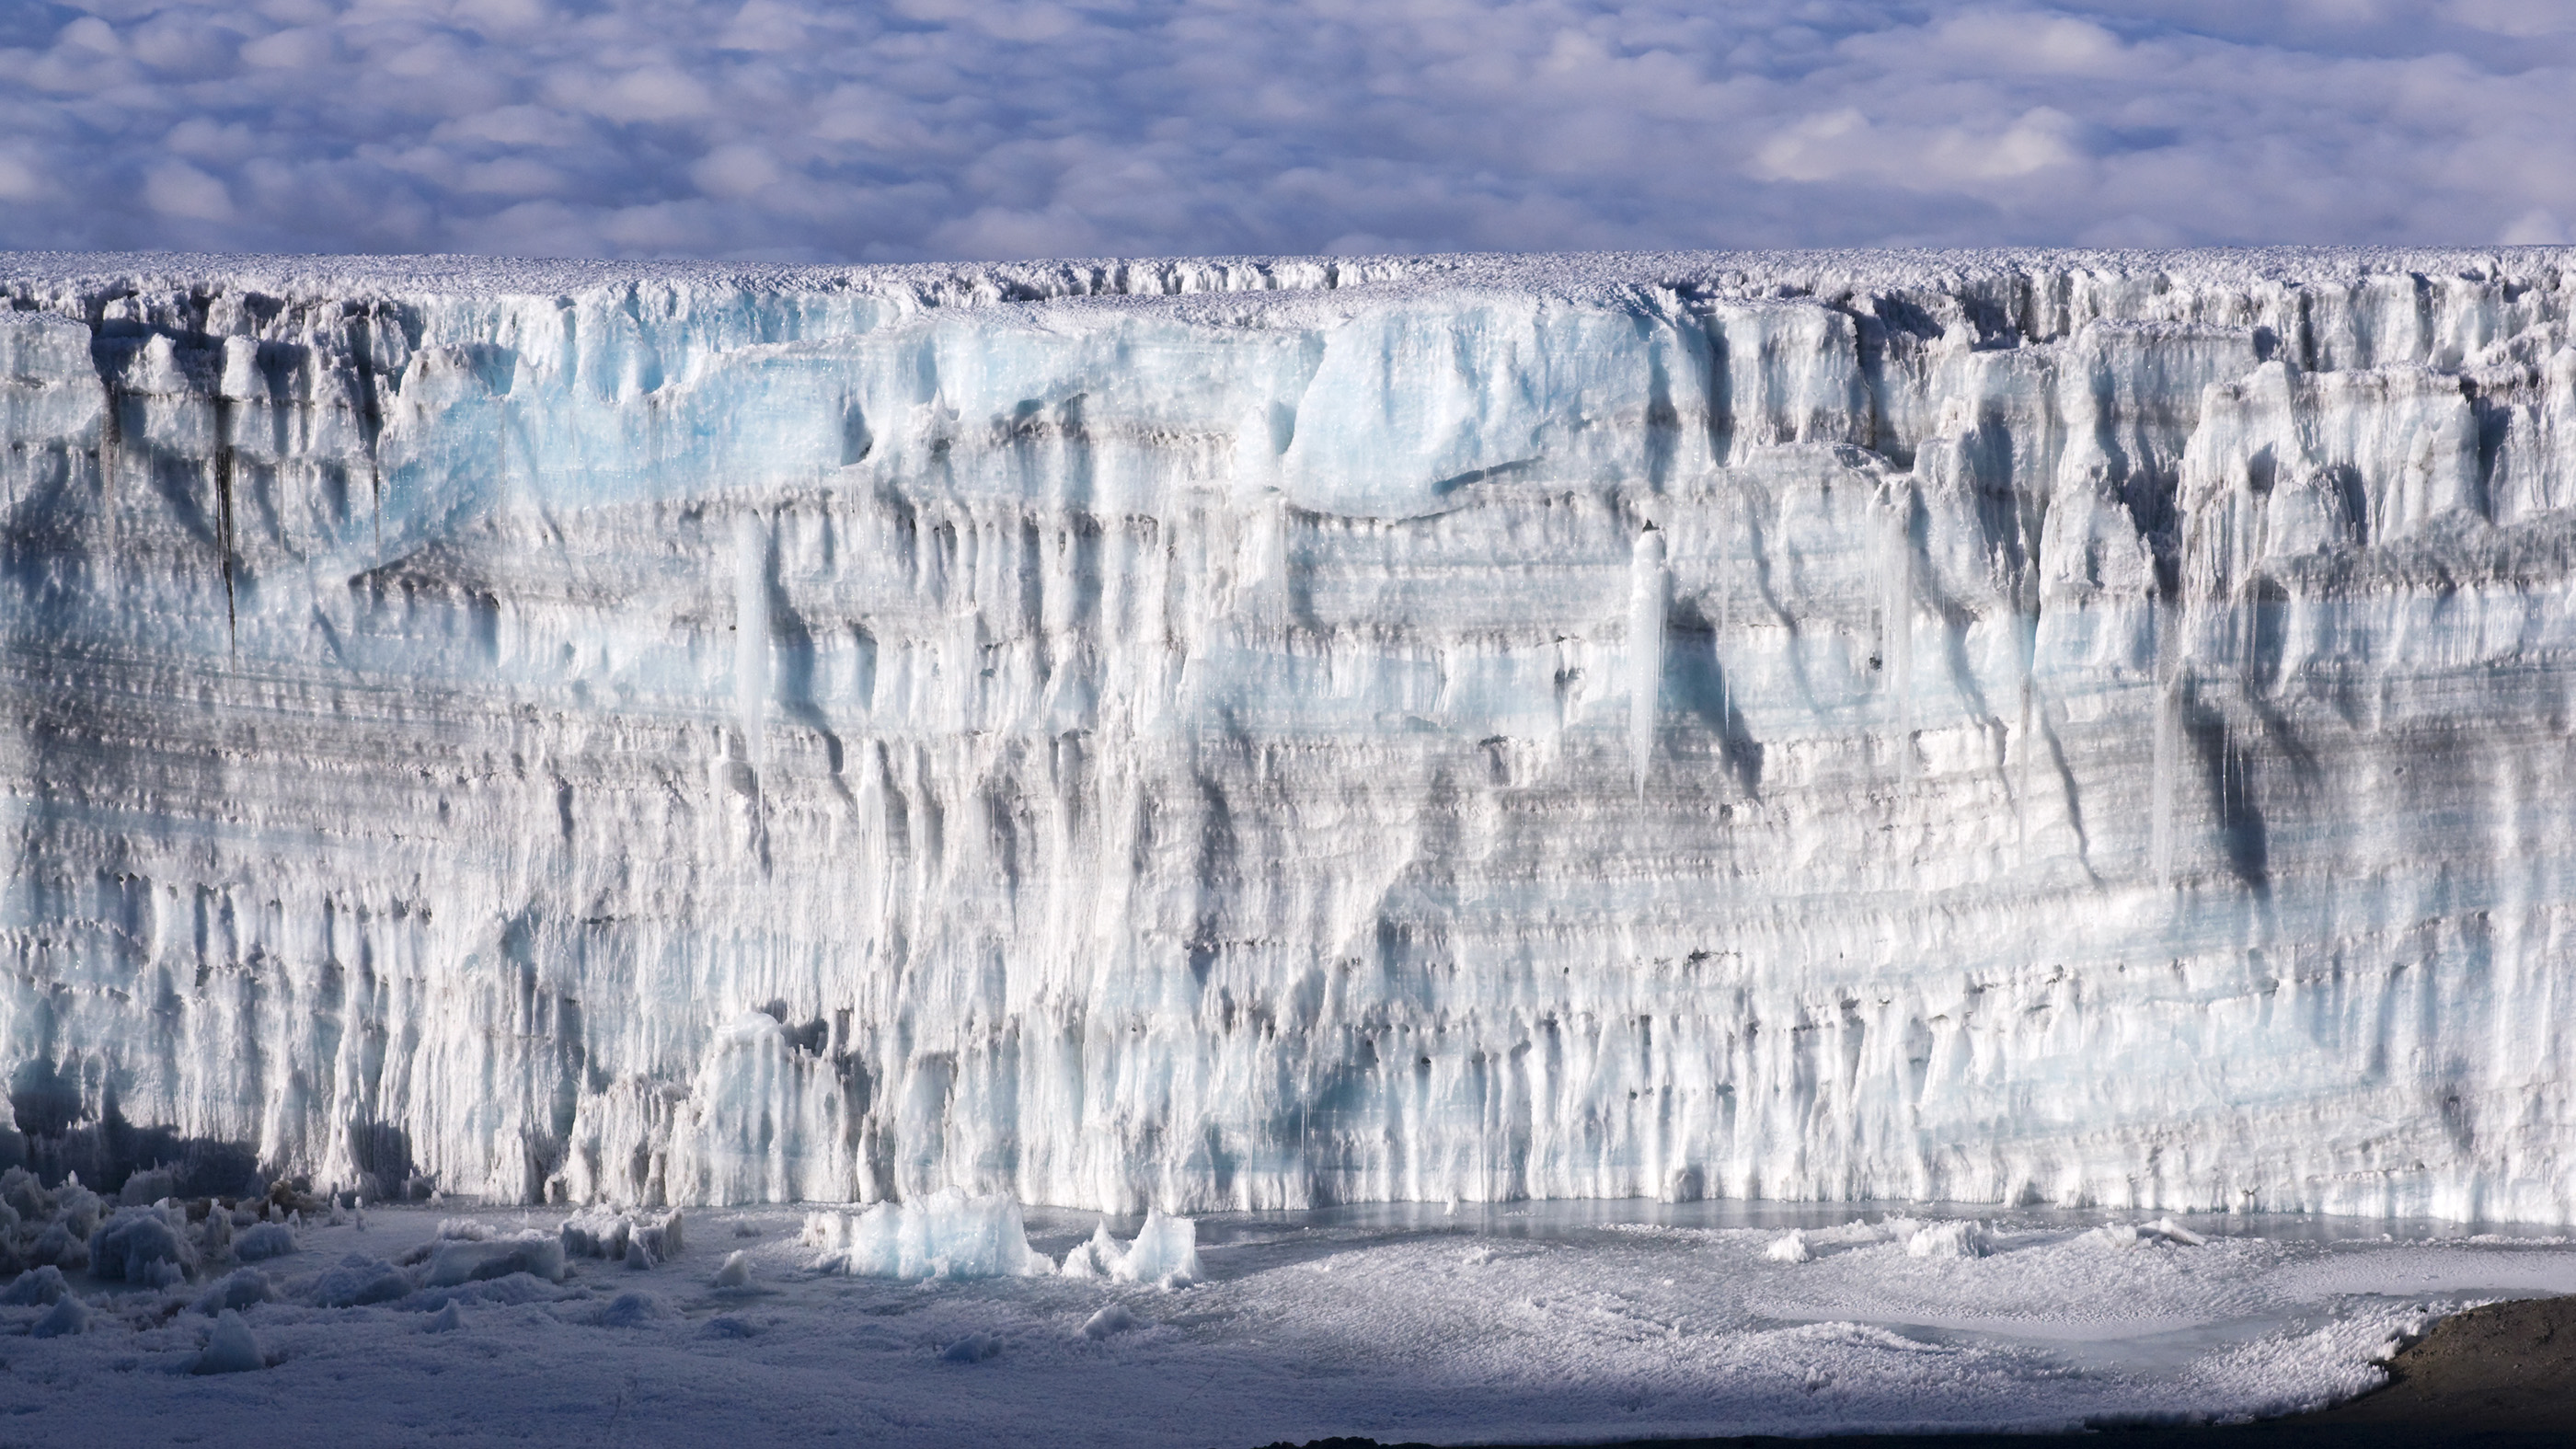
{"points": [[1490, 1325]]}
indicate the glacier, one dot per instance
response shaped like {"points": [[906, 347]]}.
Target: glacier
{"points": [[2015, 727]]}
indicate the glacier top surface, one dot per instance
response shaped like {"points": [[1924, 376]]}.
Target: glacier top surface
{"points": [[1574, 275]]}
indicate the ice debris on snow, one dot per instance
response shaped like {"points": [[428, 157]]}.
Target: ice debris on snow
{"points": [[2163, 1231], [1789, 1247], [623, 1236], [945, 1235], [1956, 1238], [1165, 1251]]}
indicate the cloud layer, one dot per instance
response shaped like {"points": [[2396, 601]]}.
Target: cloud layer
{"points": [[903, 129]]}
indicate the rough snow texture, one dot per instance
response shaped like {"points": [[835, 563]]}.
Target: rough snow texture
{"points": [[1998, 727], [1556, 1324]]}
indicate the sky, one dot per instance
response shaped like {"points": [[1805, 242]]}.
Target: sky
{"points": [[891, 130]]}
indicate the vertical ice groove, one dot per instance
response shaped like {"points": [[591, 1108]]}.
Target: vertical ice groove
{"points": [[1895, 567], [1648, 594], [1196, 798], [752, 630]]}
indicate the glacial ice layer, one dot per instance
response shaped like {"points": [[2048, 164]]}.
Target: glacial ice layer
{"points": [[2075, 728]]}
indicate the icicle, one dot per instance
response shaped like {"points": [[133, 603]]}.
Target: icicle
{"points": [[751, 634], [1646, 597]]}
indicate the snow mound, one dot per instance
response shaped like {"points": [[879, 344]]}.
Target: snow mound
{"points": [[236, 1290], [230, 1348], [946, 1235], [359, 1280], [263, 1241], [632, 1310]]}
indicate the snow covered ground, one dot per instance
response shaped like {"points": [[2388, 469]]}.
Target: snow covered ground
{"points": [[1480, 1324]]}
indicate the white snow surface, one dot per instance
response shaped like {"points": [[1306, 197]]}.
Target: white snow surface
{"points": [[1537, 1323], [2072, 728]]}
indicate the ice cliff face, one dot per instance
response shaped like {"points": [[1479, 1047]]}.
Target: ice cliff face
{"points": [[2077, 728]]}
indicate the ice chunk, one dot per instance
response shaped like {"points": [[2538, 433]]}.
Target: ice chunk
{"points": [[2175, 1233], [143, 1245], [1789, 1247], [150, 1186], [57, 1244], [538, 1254], [263, 1241], [77, 1209], [2163, 1231], [34, 1287], [68, 1316], [620, 1236], [1165, 1251], [1958, 1238], [230, 1348], [25, 1194], [1096, 1257], [946, 1235]]}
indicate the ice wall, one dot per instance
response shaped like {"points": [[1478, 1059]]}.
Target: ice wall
{"points": [[2039, 727]]}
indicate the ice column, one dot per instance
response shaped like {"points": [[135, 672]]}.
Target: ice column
{"points": [[751, 633], [1646, 591]]}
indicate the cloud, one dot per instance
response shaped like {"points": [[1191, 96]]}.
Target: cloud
{"points": [[899, 129]]}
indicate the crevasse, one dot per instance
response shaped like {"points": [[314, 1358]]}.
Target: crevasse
{"points": [[2081, 728]]}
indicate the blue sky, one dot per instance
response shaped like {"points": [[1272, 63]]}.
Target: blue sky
{"points": [[799, 130]]}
